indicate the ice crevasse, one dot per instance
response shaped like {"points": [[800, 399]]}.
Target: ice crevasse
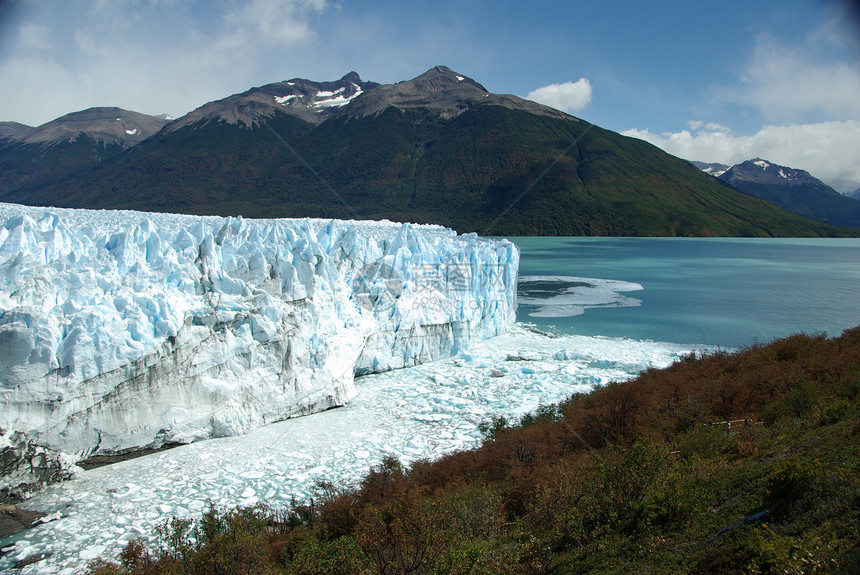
{"points": [[121, 330]]}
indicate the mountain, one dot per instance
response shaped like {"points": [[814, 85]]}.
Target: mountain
{"points": [[793, 190], [855, 194], [312, 102], [34, 157], [11, 130], [439, 148], [713, 169]]}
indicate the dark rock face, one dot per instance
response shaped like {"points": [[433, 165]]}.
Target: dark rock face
{"points": [[14, 519], [26, 467]]}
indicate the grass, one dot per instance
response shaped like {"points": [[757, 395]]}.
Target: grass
{"points": [[722, 463]]}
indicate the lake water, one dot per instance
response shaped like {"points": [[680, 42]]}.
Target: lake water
{"points": [[717, 291]]}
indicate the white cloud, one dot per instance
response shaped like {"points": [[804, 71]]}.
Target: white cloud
{"points": [[827, 150], [812, 78], [278, 22], [568, 97], [710, 126], [809, 92], [153, 56]]}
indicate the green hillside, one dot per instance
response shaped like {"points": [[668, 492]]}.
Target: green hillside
{"points": [[33, 166], [491, 169], [821, 203]]}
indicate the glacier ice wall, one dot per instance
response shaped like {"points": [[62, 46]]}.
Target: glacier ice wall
{"points": [[121, 330]]}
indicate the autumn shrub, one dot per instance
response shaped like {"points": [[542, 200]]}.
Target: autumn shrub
{"points": [[404, 534], [382, 481]]}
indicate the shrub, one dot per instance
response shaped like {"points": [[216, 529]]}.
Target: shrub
{"points": [[789, 481], [493, 428], [798, 402], [341, 556], [801, 399], [704, 442], [834, 412]]}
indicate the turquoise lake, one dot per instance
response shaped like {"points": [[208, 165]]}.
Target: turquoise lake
{"points": [[728, 292]]}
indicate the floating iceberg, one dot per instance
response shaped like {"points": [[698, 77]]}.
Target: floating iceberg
{"points": [[124, 330]]}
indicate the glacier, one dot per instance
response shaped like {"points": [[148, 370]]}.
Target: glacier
{"points": [[122, 330]]}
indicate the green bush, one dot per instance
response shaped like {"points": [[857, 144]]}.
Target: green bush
{"points": [[789, 481], [704, 442], [341, 556], [799, 402], [801, 399], [834, 412]]}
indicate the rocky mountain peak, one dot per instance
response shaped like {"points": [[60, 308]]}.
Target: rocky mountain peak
{"points": [[793, 190], [445, 91], [352, 77], [12, 130], [309, 100], [764, 172], [110, 125], [439, 89], [442, 78]]}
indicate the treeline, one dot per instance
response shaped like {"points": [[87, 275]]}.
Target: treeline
{"points": [[722, 463]]}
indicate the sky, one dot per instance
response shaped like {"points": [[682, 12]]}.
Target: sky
{"points": [[711, 81]]}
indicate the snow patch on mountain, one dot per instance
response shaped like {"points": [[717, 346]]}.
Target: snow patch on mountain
{"points": [[328, 94], [336, 98], [124, 330], [716, 172]]}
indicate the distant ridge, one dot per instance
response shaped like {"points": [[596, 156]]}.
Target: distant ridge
{"points": [[107, 125], [794, 190], [31, 158], [714, 169], [439, 148]]}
